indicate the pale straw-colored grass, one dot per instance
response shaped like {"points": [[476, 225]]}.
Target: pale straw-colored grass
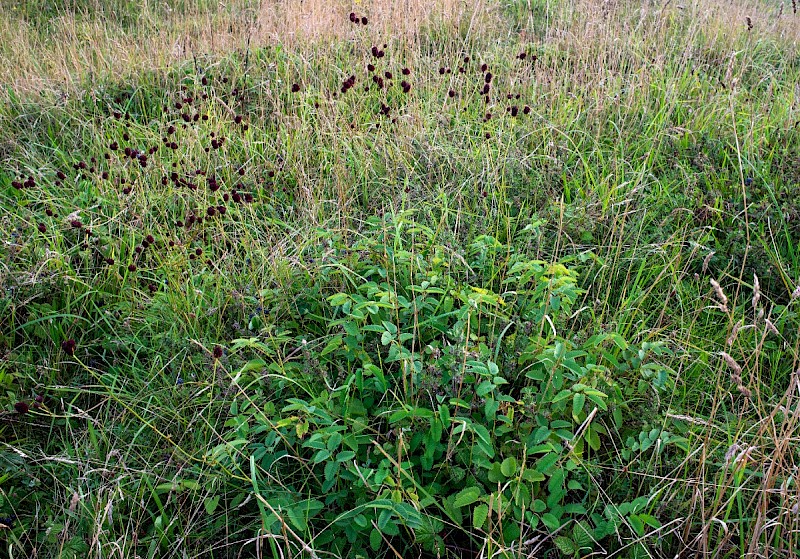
{"points": [[83, 45]]}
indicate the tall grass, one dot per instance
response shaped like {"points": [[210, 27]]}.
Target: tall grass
{"points": [[653, 146]]}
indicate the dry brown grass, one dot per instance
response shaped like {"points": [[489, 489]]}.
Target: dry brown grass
{"points": [[599, 37], [83, 45]]}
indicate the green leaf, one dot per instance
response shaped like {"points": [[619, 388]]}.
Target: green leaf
{"points": [[637, 524], [617, 415], [490, 408], [484, 388], [650, 520], [332, 345], [375, 539], [556, 483], [598, 398], [444, 413], [531, 475], [563, 395], [509, 466], [582, 535], [210, 504], [495, 473], [552, 522], [338, 299], [479, 515], [565, 545], [297, 518], [466, 496], [578, 400], [321, 456], [482, 433], [546, 463]]}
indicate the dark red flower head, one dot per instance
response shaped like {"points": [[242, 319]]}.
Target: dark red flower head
{"points": [[68, 346], [217, 352], [21, 407]]}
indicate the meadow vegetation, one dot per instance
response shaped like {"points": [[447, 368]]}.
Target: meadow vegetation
{"points": [[459, 278]]}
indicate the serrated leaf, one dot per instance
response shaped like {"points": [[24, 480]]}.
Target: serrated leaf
{"points": [[650, 520], [546, 462], [582, 535], [332, 345], [565, 545], [637, 524], [617, 415], [297, 518], [466, 496], [563, 395], [479, 515]]}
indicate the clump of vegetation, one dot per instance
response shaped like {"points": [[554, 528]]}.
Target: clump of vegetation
{"points": [[437, 280]]}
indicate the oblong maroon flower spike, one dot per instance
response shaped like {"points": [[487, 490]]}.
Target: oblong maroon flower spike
{"points": [[68, 346], [217, 352], [21, 408]]}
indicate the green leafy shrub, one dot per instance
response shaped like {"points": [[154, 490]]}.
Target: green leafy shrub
{"points": [[428, 407]]}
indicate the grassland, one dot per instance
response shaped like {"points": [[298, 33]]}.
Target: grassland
{"points": [[511, 278]]}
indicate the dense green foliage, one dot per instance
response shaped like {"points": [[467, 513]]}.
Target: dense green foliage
{"points": [[465, 293]]}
